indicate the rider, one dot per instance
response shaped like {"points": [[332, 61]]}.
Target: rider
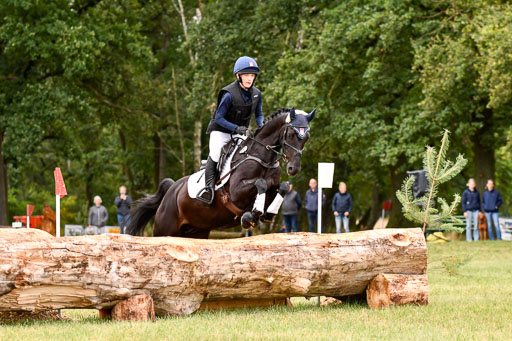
{"points": [[236, 103]]}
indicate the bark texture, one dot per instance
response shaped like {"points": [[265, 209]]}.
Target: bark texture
{"points": [[135, 308], [40, 272], [396, 289]]}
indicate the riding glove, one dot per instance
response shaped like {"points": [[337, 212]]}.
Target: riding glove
{"points": [[241, 130]]}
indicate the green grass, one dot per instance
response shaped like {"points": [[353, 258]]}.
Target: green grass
{"points": [[470, 298]]}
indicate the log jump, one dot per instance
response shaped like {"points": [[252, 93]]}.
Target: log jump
{"points": [[40, 272]]}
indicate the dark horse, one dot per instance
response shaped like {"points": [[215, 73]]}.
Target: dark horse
{"points": [[255, 173]]}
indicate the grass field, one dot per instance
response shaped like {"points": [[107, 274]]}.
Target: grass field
{"points": [[470, 298]]}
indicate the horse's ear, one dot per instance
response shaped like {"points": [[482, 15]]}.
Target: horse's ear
{"points": [[292, 114], [311, 115]]}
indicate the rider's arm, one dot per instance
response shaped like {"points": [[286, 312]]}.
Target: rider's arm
{"points": [[259, 113], [222, 110]]}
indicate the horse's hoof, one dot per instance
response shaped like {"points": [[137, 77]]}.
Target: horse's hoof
{"points": [[248, 221]]}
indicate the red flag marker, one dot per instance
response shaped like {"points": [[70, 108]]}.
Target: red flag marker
{"points": [[30, 210], [60, 192], [60, 187]]}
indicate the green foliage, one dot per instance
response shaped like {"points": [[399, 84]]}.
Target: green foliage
{"points": [[438, 170]]}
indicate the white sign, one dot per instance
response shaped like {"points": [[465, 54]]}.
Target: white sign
{"points": [[325, 174]]}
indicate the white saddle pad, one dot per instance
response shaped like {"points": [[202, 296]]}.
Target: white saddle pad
{"points": [[196, 181]]}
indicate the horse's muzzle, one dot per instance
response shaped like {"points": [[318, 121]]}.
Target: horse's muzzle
{"points": [[292, 170]]}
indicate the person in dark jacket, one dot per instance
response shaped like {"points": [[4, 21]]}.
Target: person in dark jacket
{"points": [[491, 205], [123, 203], [471, 208], [341, 208], [291, 206], [98, 215], [236, 104], [311, 204]]}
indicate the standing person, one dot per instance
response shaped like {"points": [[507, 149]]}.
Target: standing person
{"points": [[123, 203], [471, 208], [236, 104], [291, 206], [311, 204], [341, 208], [491, 203], [98, 215]]}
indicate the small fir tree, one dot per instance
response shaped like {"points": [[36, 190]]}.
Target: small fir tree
{"points": [[438, 170]]}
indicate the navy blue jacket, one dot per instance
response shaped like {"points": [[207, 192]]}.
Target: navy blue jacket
{"points": [[492, 201], [226, 103], [342, 203], [311, 200], [470, 200]]}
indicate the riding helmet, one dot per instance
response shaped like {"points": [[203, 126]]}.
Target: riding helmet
{"points": [[245, 65]]}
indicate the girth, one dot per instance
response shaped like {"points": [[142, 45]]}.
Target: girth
{"points": [[230, 205]]}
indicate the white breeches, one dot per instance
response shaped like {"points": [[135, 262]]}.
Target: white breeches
{"points": [[217, 140]]}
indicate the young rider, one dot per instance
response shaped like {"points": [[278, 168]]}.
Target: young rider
{"points": [[236, 104]]}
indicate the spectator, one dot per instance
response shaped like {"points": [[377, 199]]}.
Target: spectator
{"points": [[491, 203], [311, 204], [123, 203], [471, 208], [341, 207], [98, 215], [291, 206]]}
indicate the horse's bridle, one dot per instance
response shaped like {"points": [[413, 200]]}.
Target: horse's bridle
{"points": [[283, 143]]}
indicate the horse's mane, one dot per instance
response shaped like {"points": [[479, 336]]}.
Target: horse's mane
{"points": [[271, 118]]}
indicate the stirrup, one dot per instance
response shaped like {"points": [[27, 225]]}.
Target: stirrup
{"points": [[203, 191]]}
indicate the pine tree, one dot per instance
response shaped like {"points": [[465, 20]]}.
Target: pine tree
{"points": [[438, 170]]}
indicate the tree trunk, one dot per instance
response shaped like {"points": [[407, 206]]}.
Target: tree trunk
{"points": [[126, 165], [41, 272], [397, 289], [4, 207], [160, 159], [198, 127], [396, 217], [484, 157]]}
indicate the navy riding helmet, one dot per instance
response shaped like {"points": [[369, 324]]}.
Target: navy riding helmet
{"points": [[245, 65]]}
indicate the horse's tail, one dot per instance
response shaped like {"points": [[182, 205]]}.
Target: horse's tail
{"points": [[146, 207]]}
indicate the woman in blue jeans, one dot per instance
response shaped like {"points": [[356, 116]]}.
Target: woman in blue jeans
{"points": [[492, 202], [471, 208]]}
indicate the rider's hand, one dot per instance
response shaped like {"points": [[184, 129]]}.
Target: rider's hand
{"points": [[241, 130]]}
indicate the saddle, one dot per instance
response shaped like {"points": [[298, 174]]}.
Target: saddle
{"points": [[196, 181]]}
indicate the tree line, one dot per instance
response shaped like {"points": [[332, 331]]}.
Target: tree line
{"points": [[120, 92]]}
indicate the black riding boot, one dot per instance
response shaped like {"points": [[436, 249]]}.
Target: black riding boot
{"points": [[207, 194]]}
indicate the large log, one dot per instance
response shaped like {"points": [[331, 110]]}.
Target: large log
{"points": [[40, 272]]}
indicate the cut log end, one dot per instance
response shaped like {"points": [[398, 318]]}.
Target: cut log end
{"points": [[396, 289], [135, 308]]}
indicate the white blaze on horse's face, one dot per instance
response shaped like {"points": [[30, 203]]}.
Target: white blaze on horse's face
{"points": [[296, 136]]}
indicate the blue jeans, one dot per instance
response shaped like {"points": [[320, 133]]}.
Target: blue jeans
{"points": [[472, 225], [290, 221], [338, 220], [312, 219], [123, 221], [495, 218]]}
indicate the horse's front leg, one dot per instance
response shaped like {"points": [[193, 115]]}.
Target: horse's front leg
{"points": [[275, 197], [250, 218]]}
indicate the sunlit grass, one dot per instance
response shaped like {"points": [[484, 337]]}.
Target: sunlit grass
{"points": [[470, 298]]}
